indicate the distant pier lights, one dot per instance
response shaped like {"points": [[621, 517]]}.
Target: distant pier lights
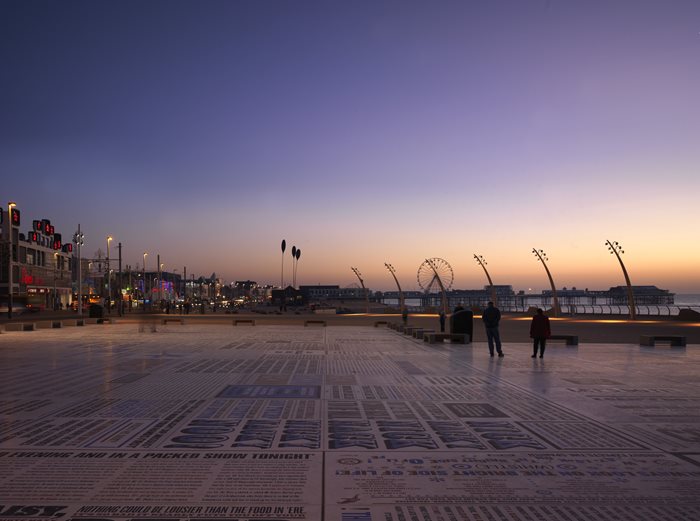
{"points": [[616, 249]]}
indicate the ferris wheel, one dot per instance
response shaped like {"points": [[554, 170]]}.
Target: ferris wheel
{"points": [[434, 271]]}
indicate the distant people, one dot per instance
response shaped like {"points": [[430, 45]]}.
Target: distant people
{"points": [[442, 321], [492, 317], [404, 316], [539, 332]]}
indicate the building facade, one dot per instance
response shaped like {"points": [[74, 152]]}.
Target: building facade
{"points": [[41, 263]]}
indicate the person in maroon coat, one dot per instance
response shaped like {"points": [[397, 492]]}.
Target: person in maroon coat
{"points": [[539, 332]]}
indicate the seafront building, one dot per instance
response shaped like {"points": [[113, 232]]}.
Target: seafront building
{"points": [[41, 264]]}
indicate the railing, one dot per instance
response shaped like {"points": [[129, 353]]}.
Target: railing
{"points": [[652, 310]]}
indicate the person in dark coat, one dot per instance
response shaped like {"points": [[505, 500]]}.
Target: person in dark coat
{"points": [[442, 321], [539, 332], [491, 317]]}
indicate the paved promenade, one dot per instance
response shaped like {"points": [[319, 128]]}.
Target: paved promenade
{"points": [[207, 421]]}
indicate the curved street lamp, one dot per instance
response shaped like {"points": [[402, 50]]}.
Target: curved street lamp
{"points": [[616, 248], [362, 283], [482, 262], [284, 247], [402, 301], [542, 256]]}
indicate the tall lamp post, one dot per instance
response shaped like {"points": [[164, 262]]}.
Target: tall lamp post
{"points": [[402, 301], [10, 206], [362, 283], [542, 257], [79, 239], [616, 248], [284, 247], [109, 278], [55, 269], [482, 262], [144, 281]]}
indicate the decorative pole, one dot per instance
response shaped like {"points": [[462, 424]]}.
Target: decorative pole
{"points": [[144, 281], [445, 308], [10, 226], [294, 271], [109, 278], [482, 262], [616, 248], [542, 256], [297, 266], [79, 240], [362, 283], [284, 247], [402, 301]]}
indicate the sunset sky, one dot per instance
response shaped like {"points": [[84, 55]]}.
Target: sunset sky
{"points": [[362, 132]]}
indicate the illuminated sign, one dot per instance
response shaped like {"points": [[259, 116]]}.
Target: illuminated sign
{"points": [[37, 226], [14, 216], [68, 248], [57, 244], [33, 236], [46, 226]]}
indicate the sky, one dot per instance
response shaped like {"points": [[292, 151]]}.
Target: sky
{"points": [[362, 132]]}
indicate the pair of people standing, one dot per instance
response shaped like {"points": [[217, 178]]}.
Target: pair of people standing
{"points": [[539, 330]]}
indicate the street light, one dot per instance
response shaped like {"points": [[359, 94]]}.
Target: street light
{"points": [[109, 278], [402, 302], [616, 248], [542, 257], [10, 205], [362, 283], [482, 262], [78, 239], [55, 268], [145, 254]]}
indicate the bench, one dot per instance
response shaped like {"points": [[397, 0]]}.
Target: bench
{"points": [[166, 320], [455, 338], [20, 326], [650, 340], [381, 323], [49, 324], [314, 322], [571, 340], [237, 321], [73, 322], [420, 333]]}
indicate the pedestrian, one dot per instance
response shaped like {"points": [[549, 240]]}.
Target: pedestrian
{"points": [[491, 317], [442, 321], [404, 316], [539, 332]]}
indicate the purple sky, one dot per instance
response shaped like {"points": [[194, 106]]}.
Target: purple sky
{"points": [[362, 132]]}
